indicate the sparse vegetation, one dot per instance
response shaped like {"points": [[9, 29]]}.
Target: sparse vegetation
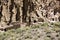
{"points": [[35, 32]]}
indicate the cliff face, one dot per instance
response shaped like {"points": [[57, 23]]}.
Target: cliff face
{"points": [[29, 11]]}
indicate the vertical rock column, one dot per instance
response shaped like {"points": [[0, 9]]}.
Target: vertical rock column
{"points": [[14, 14], [9, 4], [21, 5], [5, 14]]}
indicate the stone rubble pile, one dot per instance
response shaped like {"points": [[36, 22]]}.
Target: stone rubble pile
{"points": [[35, 32]]}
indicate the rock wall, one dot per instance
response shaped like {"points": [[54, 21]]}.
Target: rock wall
{"points": [[29, 11]]}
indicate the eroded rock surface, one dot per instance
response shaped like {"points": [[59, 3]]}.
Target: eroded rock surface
{"points": [[29, 11]]}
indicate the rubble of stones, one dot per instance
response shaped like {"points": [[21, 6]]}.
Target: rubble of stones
{"points": [[29, 11], [34, 32]]}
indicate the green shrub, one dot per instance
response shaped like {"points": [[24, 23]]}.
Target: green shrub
{"points": [[57, 24], [44, 24]]}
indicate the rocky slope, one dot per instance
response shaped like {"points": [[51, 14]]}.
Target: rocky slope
{"points": [[34, 32]]}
